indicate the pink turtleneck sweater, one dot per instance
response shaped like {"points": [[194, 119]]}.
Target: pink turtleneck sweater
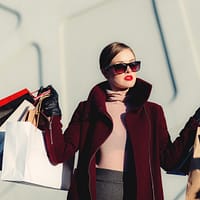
{"points": [[112, 151]]}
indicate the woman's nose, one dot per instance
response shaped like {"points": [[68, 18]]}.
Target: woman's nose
{"points": [[128, 69]]}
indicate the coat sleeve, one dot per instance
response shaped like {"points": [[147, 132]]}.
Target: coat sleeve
{"points": [[62, 147], [173, 153]]}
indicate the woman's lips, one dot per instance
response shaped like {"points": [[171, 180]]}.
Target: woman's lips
{"points": [[128, 78]]}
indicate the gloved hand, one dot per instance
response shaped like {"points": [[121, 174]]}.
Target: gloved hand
{"points": [[50, 105], [197, 115]]}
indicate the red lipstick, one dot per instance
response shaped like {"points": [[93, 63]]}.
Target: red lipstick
{"points": [[128, 78]]}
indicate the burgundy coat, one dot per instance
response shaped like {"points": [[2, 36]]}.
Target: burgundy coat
{"points": [[151, 146]]}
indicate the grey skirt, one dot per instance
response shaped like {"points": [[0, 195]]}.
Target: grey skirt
{"points": [[109, 184]]}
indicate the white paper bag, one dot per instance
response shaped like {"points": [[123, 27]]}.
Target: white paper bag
{"points": [[17, 115], [25, 158]]}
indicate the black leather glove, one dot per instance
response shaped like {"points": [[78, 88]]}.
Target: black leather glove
{"points": [[50, 105], [197, 115]]}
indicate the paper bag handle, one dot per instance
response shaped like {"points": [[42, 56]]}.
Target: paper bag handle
{"points": [[33, 115]]}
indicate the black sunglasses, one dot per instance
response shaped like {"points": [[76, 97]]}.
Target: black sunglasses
{"points": [[122, 67]]}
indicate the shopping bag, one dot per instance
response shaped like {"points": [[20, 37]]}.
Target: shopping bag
{"points": [[2, 134], [25, 158], [193, 183], [11, 102], [17, 115], [183, 166]]}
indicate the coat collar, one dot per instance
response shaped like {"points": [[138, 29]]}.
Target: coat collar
{"points": [[137, 95]]}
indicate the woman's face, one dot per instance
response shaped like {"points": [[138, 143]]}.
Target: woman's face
{"points": [[124, 80]]}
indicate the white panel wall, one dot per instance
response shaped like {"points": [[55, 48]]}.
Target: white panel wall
{"points": [[58, 42]]}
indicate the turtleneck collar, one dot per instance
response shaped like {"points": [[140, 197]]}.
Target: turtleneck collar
{"points": [[116, 95]]}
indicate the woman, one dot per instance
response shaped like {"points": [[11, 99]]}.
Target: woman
{"points": [[122, 138]]}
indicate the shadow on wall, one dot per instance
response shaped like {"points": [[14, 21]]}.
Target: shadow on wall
{"points": [[164, 45]]}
